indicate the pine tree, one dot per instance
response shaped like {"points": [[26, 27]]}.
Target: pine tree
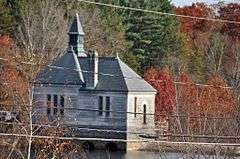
{"points": [[152, 36], [6, 19]]}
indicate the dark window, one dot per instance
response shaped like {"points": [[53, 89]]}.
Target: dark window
{"points": [[144, 114], [49, 104], [73, 39], [107, 106], [135, 107], [100, 105], [55, 104], [62, 105]]}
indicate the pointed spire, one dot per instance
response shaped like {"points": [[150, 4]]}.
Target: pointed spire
{"points": [[76, 37], [117, 56], [76, 27]]}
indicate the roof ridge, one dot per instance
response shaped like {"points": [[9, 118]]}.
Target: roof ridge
{"points": [[134, 81], [125, 82], [79, 70]]}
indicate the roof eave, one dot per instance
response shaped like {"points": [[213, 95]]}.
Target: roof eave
{"points": [[77, 33]]}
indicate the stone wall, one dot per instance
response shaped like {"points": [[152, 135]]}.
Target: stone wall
{"points": [[135, 122]]}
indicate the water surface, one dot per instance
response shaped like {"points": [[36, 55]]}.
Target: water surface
{"points": [[146, 155]]}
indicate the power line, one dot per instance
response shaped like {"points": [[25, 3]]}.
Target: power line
{"points": [[116, 140], [158, 12], [73, 128], [140, 78], [122, 112], [76, 127], [114, 75]]}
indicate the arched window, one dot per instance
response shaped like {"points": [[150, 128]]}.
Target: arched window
{"points": [[144, 114]]}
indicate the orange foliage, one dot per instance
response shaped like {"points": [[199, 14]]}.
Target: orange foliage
{"points": [[216, 100], [188, 96], [13, 86]]}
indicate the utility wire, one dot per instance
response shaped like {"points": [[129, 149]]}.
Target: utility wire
{"points": [[114, 75], [120, 112], [158, 12], [115, 140], [74, 127]]}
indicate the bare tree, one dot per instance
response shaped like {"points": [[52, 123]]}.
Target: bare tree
{"points": [[215, 52], [42, 30]]}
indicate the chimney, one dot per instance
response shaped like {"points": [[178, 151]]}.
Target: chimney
{"points": [[93, 63]]}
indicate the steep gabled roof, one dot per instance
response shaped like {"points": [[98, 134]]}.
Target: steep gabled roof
{"points": [[65, 70], [109, 74], [133, 81], [113, 74], [76, 27]]}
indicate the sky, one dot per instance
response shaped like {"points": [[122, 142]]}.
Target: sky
{"points": [[189, 2]]}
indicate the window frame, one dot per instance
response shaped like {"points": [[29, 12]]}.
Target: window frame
{"points": [[100, 105], [107, 106], [144, 114], [135, 107], [49, 104], [55, 104], [62, 104]]}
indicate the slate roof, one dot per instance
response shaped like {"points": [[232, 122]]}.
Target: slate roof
{"points": [[76, 27], [113, 74], [55, 74]]}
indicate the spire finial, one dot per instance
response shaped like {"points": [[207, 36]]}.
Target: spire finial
{"points": [[117, 56]]}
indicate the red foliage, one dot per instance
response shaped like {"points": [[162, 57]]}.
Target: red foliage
{"points": [[5, 41], [231, 12], [162, 81], [191, 26]]}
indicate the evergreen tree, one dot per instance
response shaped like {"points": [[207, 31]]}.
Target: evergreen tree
{"points": [[6, 19], [152, 36]]}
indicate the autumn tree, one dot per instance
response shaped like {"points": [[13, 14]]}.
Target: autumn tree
{"points": [[13, 85], [192, 27], [13, 97], [232, 68], [162, 81], [188, 104], [5, 41], [187, 96], [230, 12], [217, 109], [196, 33], [216, 100]]}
